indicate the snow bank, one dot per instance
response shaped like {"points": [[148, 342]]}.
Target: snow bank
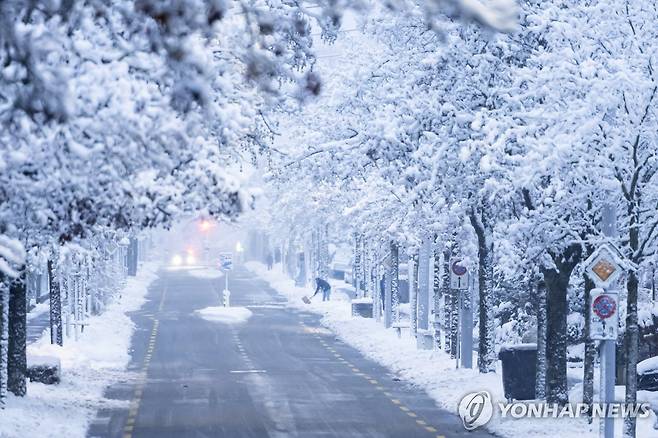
{"points": [[433, 371], [38, 310], [648, 365], [97, 360], [226, 315]]}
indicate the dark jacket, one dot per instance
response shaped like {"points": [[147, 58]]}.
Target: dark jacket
{"points": [[321, 285]]}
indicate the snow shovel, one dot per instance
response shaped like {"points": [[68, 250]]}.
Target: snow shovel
{"points": [[306, 299]]}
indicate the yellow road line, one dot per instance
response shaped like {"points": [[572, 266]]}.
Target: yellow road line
{"points": [[139, 390], [357, 372]]}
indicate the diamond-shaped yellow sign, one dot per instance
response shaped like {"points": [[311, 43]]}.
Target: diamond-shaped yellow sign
{"points": [[604, 269]]}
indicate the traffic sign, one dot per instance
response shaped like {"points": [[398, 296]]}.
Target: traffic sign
{"points": [[604, 306], [226, 261], [458, 275], [604, 266], [604, 314]]}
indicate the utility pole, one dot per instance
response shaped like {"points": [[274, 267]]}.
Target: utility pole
{"points": [[608, 350], [604, 266]]}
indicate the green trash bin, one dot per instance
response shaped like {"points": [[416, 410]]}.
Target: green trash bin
{"points": [[519, 371]]}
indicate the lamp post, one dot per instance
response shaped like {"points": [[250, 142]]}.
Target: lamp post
{"points": [[204, 227], [239, 249]]}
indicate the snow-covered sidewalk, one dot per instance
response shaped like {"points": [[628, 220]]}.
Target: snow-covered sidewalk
{"points": [[98, 359], [432, 371]]}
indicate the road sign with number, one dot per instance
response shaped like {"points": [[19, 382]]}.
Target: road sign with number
{"points": [[458, 275], [226, 261], [604, 314]]}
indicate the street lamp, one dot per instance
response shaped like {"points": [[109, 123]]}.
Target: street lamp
{"points": [[204, 226], [239, 249]]}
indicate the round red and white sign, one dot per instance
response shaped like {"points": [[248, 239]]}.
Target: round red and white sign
{"points": [[604, 306], [458, 269]]}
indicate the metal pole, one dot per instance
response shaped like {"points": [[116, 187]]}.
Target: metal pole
{"points": [[423, 292], [226, 295], [388, 299], [608, 350], [466, 349], [460, 302]]}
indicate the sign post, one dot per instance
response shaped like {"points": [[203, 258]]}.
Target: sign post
{"points": [[467, 324], [458, 275], [459, 282], [604, 267], [226, 265]]}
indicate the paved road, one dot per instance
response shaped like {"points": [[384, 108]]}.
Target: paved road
{"points": [[278, 375]]}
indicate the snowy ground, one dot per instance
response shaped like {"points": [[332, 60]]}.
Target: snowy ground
{"points": [[89, 365], [434, 371], [38, 310]]}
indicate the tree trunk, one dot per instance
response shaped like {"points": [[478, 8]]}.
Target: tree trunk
{"points": [[413, 291], [388, 296], [556, 330], [486, 356], [324, 253], [56, 335], [395, 287], [423, 290], [557, 309], [16, 351], [356, 269], [540, 387], [590, 348], [437, 298], [313, 257], [632, 350], [4, 337], [365, 263], [447, 299]]}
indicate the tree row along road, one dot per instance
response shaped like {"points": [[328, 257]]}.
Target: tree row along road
{"points": [[279, 374]]}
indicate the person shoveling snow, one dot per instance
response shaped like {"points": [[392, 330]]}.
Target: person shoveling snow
{"points": [[321, 285]]}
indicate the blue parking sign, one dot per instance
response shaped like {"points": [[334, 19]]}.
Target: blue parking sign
{"points": [[226, 261]]}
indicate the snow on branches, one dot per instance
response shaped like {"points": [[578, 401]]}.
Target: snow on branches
{"points": [[12, 255]]}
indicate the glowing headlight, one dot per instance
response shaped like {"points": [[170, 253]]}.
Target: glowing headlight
{"points": [[190, 259], [176, 260]]}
